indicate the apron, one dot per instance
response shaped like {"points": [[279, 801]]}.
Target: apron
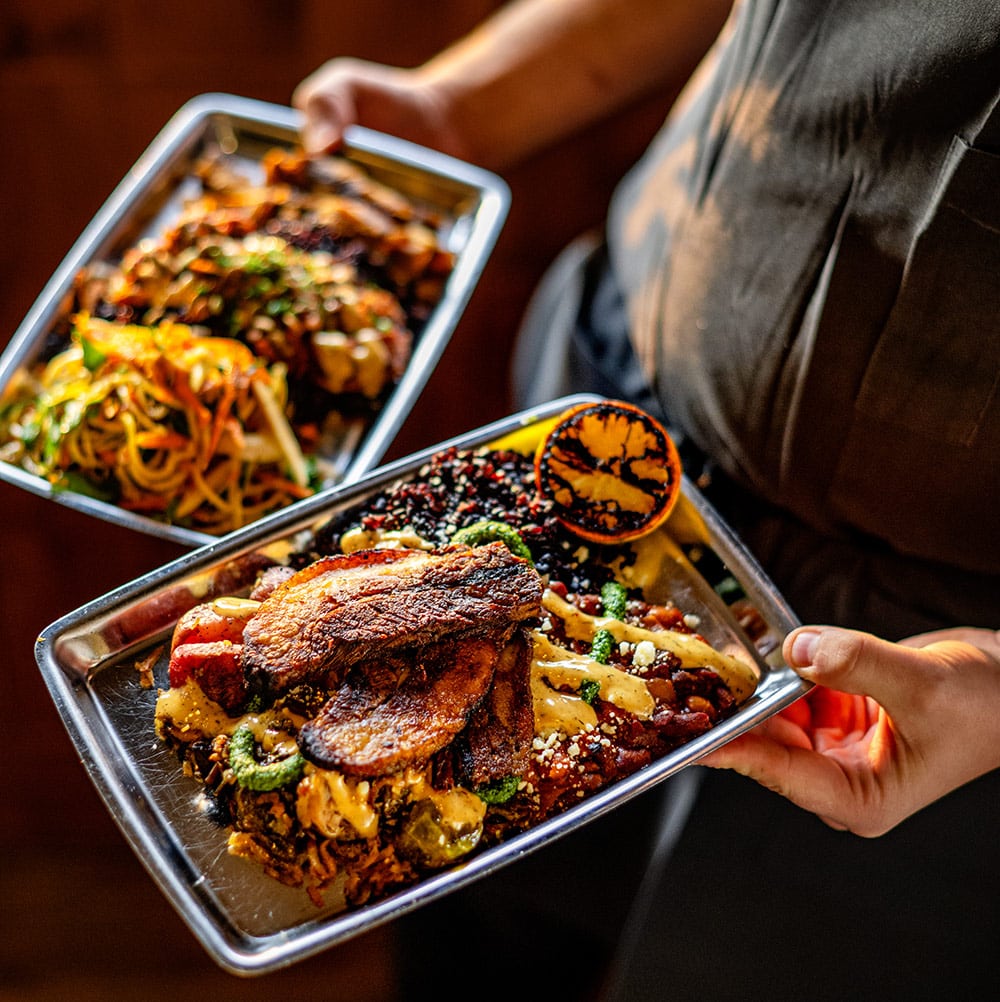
{"points": [[824, 328], [928, 412]]}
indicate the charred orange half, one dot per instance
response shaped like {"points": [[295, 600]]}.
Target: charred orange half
{"points": [[610, 469]]}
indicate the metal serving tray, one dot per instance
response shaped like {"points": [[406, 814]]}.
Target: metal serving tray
{"points": [[248, 922], [473, 204]]}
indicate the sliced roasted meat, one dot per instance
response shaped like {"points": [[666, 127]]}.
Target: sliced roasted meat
{"points": [[497, 741], [350, 608], [381, 721], [270, 579]]}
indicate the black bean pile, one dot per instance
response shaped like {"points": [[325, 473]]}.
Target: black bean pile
{"points": [[457, 488]]}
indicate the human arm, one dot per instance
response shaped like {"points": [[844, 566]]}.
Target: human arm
{"points": [[527, 77], [889, 728]]}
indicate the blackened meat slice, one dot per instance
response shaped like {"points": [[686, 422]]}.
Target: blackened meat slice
{"points": [[497, 741], [381, 721], [345, 609]]}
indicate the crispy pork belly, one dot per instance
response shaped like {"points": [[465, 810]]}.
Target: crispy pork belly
{"points": [[346, 609], [497, 741], [382, 720], [269, 580]]}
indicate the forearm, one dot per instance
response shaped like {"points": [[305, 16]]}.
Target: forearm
{"points": [[539, 70]]}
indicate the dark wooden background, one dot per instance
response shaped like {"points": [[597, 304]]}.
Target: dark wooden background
{"points": [[84, 87]]}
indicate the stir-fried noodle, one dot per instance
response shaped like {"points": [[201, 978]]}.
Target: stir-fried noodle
{"points": [[163, 421]]}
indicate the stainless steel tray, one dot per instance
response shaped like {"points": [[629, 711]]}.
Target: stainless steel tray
{"points": [[473, 204], [248, 922]]}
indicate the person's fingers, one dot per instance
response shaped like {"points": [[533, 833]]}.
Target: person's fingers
{"points": [[837, 717], [883, 733], [985, 640], [330, 100], [790, 768], [857, 663], [345, 92], [779, 730], [919, 687], [920, 699], [326, 114], [799, 713]]}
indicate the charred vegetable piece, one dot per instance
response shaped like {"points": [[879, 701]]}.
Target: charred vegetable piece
{"points": [[613, 599], [254, 775], [488, 531], [443, 828]]}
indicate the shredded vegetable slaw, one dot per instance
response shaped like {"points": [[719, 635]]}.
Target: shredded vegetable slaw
{"points": [[159, 420]]}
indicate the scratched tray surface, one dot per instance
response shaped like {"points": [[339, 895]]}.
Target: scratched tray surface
{"points": [[472, 205], [248, 922]]}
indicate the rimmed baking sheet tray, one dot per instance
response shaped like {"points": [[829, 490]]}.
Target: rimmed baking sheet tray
{"points": [[471, 202], [248, 922]]}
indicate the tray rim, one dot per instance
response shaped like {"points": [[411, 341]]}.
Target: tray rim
{"points": [[181, 129], [137, 816]]}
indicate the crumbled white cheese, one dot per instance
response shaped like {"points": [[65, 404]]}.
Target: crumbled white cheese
{"points": [[645, 653]]}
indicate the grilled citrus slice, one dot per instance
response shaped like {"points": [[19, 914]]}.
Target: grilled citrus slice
{"points": [[611, 471]]}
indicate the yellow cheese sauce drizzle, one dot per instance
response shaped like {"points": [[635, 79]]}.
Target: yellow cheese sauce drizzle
{"points": [[324, 797], [567, 713], [187, 709], [692, 651]]}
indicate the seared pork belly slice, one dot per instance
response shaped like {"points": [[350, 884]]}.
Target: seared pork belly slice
{"points": [[269, 580], [381, 721], [497, 741], [350, 608]]}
